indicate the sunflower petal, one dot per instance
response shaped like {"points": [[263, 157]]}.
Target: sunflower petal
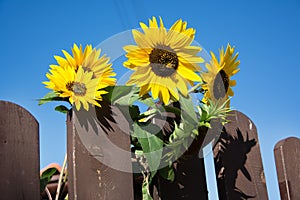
{"points": [[188, 74]]}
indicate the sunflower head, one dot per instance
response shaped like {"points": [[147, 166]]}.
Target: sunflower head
{"points": [[217, 80], [164, 62], [81, 78], [77, 57]]}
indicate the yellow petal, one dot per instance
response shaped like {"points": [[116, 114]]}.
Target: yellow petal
{"points": [[232, 83], [188, 74], [165, 95]]}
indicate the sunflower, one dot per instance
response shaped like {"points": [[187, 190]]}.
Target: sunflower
{"points": [[100, 67], [80, 78], [217, 79], [163, 61], [90, 60], [77, 59], [79, 87]]}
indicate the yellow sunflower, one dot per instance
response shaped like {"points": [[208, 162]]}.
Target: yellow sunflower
{"points": [[100, 67], [79, 87], [217, 79], [77, 59], [81, 77], [90, 60], [163, 61]]}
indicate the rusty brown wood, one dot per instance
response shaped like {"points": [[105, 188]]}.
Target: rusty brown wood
{"points": [[19, 153], [238, 162], [287, 158], [88, 176]]}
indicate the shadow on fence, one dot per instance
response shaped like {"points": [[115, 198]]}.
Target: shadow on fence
{"points": [[238, 164]]}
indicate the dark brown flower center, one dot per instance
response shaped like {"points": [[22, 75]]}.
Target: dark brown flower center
{"points": [[78, 88], [163, 62], [69, 86], [221, 85]]}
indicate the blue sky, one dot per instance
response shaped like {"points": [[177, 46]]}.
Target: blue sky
{"points": [[265, 34]]}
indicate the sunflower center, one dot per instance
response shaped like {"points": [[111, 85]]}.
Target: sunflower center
{"points": [[163, 62], [221, 85], [78, 88], [69, 86]]}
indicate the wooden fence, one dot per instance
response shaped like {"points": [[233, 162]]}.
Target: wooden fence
{"points": [[238, 164]]}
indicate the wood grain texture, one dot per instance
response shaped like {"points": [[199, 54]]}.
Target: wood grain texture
{"points": [[19, 153], [287, 158], [91, 160], [239, 168]]}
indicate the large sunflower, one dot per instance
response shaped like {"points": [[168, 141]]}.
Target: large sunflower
{"points": [[79, 87], [217, 79], [163, 61]]}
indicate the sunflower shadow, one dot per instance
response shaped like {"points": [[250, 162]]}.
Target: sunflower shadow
{"points": [[102, 116], [231, 158]]}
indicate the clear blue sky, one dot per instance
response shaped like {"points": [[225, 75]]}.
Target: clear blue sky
{"points": [[265, 33]]}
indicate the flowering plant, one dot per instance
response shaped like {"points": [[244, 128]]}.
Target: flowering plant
{"points": [[167, 78]]}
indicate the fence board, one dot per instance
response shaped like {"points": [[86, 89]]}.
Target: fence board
{"points": [[238, 161], [88, 141], [19, 153], [287, 158]]}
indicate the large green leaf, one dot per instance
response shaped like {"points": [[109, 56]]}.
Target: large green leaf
{"points": [[188, 111], [121, 95], [152, 145]]}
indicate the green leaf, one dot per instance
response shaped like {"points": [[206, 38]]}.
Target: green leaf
{"points": [[62, 109], [188, 109], [147, 100], [121, 95], [46, 177], [50, 96], [151, 144], [167, 173]]}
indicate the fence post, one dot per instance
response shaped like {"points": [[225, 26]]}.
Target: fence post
{"points": [[238, 162], [19, 153], [99, 158], [287, 158]]}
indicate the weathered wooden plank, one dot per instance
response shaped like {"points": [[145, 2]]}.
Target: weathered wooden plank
{"points": [[287, 158], [238, 162], [19, 153], [99, 156]]}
